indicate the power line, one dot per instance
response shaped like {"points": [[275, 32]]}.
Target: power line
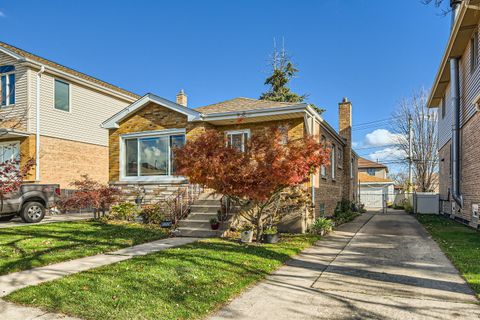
{"points": [[383, 146], [375, 121]]}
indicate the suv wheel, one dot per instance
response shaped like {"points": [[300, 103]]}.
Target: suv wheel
{"points": [[32, 212], [7, 218]]}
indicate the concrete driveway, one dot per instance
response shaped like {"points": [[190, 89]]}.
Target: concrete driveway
{"points": [[377, 267]]}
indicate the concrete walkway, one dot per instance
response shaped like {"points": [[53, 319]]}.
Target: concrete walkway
{"points": [[22, 279], [377, 267], [17, 222]]}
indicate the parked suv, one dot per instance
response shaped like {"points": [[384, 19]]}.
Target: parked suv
{"points": [[29, 202]]}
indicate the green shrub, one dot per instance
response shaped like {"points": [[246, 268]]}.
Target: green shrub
{"points": [[153, 214], [408, 207], [126, 211], [361, 208], [346, 211], [321, 224], [398, 206], [270, 230]]}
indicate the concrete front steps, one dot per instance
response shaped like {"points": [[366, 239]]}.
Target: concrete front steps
{"points": [[197, 224]]}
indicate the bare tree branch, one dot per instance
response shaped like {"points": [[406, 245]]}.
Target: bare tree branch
{"points": [[424, 129]]}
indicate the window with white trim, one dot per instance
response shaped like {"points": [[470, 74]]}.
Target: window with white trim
{"points": [[443, 106], [283, 134], [340, 157], [474, 52], [9, 151], [151, 155], [62, 95], [7, 85], [351, 168], [237, 139], [332, 160], [323, 169]]}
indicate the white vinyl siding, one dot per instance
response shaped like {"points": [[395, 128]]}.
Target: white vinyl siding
{"points": [[88, 109], [17, 110], [469, 92]]}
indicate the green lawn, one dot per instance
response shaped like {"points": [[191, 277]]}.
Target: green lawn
{"points": [[23, 248], [187, 282], [460, 243]]}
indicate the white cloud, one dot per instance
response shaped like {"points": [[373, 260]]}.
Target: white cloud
{"points": [[381, 137], [2, 14], [387, 154]]}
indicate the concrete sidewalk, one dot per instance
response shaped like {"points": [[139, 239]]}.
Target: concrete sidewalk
{"points": [[378, 267]]}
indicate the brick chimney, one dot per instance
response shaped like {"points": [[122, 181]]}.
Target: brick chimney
{"points": [[345, 131], [182, 98], [345, 120]]}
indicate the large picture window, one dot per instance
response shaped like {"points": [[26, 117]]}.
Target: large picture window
{"points": [[151, 156], [7, 85]]}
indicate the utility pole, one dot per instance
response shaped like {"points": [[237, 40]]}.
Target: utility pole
{"points": [[410, 154]]}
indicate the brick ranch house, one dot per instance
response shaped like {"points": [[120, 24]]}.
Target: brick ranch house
{"points": [[52, 114], [456, 94], [142, 135]]}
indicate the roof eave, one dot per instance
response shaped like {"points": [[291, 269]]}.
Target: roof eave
{"points": [[435, 97], [113, 122], [253, 112]]}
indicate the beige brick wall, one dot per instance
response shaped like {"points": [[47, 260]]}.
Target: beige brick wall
{"points": [[469, 170], [329, 191], [295, 127], [64, 161]]}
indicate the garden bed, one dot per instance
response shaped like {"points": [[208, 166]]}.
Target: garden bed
{"points": [[186, 282], [23, 248]]}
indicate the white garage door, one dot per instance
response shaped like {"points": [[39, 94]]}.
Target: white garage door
{"points": [[372, 198]]}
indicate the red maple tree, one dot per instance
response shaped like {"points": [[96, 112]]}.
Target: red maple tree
{"points": [[90, 193], [255, 177]]}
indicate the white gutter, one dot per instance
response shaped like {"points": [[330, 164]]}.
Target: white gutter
{"points": [[252, 113], [37, 118]]}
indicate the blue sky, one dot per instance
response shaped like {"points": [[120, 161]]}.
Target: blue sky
{"points": [[375, 52]]}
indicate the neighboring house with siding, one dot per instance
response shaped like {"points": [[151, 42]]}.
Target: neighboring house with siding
{"points": [[144, 133], [374, 188], [456, 94], [58, 110]]}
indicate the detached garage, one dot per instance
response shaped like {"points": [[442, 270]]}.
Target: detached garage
{"points": [[374, 191]]}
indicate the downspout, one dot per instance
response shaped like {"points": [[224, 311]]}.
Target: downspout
{"points": [[455, 96], [37, 126]]}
